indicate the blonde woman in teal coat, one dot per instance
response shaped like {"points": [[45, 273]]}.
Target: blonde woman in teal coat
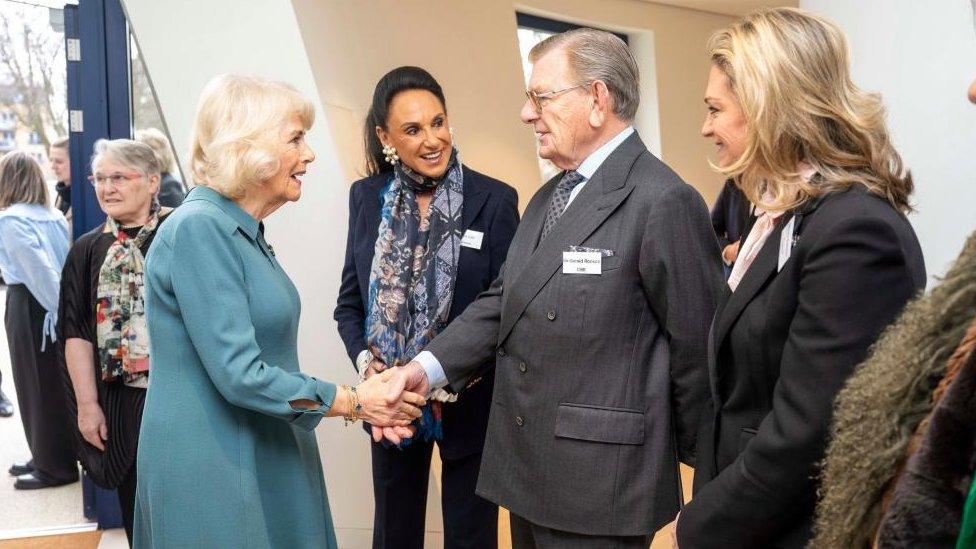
{"points": [[227, 454]]}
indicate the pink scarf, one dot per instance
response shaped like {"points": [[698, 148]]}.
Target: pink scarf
{"points": [[764, 226]]}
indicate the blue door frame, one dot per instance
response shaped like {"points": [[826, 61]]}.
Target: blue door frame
{"points": [[98, 89]]}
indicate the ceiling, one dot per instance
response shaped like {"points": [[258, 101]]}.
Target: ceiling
{"points": [[726, 7]]}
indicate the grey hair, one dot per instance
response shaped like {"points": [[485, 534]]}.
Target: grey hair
{"points": [[134, 154], [599, 55]]}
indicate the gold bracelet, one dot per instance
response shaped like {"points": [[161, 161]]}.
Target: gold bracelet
{"points": [[356, 407]]}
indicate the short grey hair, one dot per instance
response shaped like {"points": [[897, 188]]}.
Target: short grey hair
{"points": [[133, 154], [599, 55]]}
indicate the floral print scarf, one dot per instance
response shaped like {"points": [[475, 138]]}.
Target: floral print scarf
{"points": [[120, 312], [411, 282]]}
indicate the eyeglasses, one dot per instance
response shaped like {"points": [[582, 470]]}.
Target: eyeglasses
{"points": [[539, 100], [116, 179]]}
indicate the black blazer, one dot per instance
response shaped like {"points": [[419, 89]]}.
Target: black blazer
{"points": [[781, 348], [490, 207]]}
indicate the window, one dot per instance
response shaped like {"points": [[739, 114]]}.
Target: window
{"points": [[533, 29]]}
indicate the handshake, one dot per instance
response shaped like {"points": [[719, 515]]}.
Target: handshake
{"points": [[391, 398]]}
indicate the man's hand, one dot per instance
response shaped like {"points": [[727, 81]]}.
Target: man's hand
{"points": [[378, 410], [410, 377]]}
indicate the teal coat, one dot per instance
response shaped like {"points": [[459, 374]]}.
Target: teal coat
{"points": [[224, 460]]}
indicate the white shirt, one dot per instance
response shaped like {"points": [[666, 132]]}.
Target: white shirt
{"points": [[435, 372]]}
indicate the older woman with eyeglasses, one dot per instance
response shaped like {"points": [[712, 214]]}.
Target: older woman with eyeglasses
{"points": [[102, 315]]}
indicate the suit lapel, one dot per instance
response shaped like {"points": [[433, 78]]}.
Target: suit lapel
{"points": [[606, 190], [755, 278], [474, 200]]}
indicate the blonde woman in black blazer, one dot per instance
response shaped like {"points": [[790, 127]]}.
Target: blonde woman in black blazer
{"points": [[828, 263]]}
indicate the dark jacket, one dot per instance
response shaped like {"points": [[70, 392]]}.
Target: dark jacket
{"points": [[782, 346], [600, 378], [171, 191], [490, 207], [730, 214]]}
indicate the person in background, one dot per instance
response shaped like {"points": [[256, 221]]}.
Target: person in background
{"points": [[829, 262], [33, 246], [227, 450], [419, 201], [171, 189], [60, 161], [730, 217], [900, 465], [101, 316]]}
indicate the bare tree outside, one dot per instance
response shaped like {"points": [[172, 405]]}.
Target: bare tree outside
{"points": [[145, 111], [32, 70]]}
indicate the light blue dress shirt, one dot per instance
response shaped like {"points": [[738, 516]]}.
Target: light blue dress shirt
{"points": [[33, 245], [435, 372]]}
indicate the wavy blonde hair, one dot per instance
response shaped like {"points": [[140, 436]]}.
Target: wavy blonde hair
{"points": [[789, 70], [236, 131]]}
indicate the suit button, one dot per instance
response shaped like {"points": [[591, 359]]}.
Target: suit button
{"points": [[523, 368], [551, 315], [501, 351], [519, 421]]}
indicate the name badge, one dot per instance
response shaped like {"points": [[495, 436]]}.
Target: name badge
{"points": [[785, 244], [582, 263], [472, 239]]}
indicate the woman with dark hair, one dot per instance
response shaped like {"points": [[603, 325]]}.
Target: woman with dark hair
{"points": [[33, 246], [427, 234]]}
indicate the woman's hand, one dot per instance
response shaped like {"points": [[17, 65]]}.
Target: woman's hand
{"points": [[377, 411], [91, 423], [374, 367]]}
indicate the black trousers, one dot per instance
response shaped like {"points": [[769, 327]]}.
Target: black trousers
{"points": [[40, 385], [127, 501], [527, 535], [400, 480]]}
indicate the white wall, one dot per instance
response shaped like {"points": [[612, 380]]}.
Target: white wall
{"points": [[184, 46], [919, 55]]}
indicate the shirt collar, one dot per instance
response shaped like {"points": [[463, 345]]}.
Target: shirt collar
{"points": [[243, 219], [592, 163]]}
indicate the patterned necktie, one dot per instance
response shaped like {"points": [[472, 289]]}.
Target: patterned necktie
{"points": [[560, 199]]}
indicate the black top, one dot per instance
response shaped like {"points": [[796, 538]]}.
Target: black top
{"points": [[79, 282], [63, 200], [171, 191], [730, 214]]}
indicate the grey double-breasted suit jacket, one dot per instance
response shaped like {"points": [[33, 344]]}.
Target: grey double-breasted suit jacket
{"points": [[599, 378]]}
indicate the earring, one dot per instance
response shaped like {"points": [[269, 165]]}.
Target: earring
{"points": [[391, 155]]}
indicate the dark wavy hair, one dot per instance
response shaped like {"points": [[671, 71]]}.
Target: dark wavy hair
{"points": [[398, 80]]}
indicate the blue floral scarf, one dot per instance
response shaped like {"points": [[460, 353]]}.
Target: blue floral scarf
{"points": [[411, 282]]}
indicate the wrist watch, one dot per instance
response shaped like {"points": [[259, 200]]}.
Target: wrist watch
{"points": [[362, 361]]}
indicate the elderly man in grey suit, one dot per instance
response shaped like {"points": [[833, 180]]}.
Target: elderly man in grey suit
{"points": [[598, 320]]}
